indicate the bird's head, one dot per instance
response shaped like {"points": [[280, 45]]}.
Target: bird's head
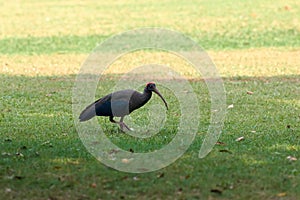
{"points": [[151, 87]]}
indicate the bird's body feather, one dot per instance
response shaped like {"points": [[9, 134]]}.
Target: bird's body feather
{"points": [[117, 104], [120, 104]]}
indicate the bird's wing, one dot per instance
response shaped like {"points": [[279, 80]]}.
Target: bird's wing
{"points": [[119, 101], [90, 111]]}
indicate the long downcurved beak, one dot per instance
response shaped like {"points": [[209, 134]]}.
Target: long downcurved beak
{"points": [[157, 92]]}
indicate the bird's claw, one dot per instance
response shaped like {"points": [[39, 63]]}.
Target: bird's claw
{"points": [[123, 125]]}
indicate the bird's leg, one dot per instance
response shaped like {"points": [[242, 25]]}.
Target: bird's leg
{"points": [[121, 123], [111, 119]]}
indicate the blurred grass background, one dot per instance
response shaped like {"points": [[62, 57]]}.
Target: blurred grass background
{"points": [[255, 46]]}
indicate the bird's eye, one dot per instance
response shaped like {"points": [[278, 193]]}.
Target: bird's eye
{"points": [[150, 86]]}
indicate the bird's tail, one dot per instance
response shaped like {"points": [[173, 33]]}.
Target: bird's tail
{"points": [[88, 113]]}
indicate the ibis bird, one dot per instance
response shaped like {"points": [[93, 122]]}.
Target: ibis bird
{"points": [[120, 104]]}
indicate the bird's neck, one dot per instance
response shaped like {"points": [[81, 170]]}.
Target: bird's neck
{"points": [[146, 96], [139, 99]]}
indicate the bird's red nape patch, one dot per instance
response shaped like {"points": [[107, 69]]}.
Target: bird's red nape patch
{"points": [[150, 83]]}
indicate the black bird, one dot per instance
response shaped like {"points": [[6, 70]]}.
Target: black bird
{"points": [[119, 104]]}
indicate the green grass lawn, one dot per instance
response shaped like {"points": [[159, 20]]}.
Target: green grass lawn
{"points": [[255, 46]]}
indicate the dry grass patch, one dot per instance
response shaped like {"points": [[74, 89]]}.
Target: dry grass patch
{"points": [[44, 65], [257, 62], [48, 18], [251, 63]]}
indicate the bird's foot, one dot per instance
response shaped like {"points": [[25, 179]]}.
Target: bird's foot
{"points": [[123, 126]]}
